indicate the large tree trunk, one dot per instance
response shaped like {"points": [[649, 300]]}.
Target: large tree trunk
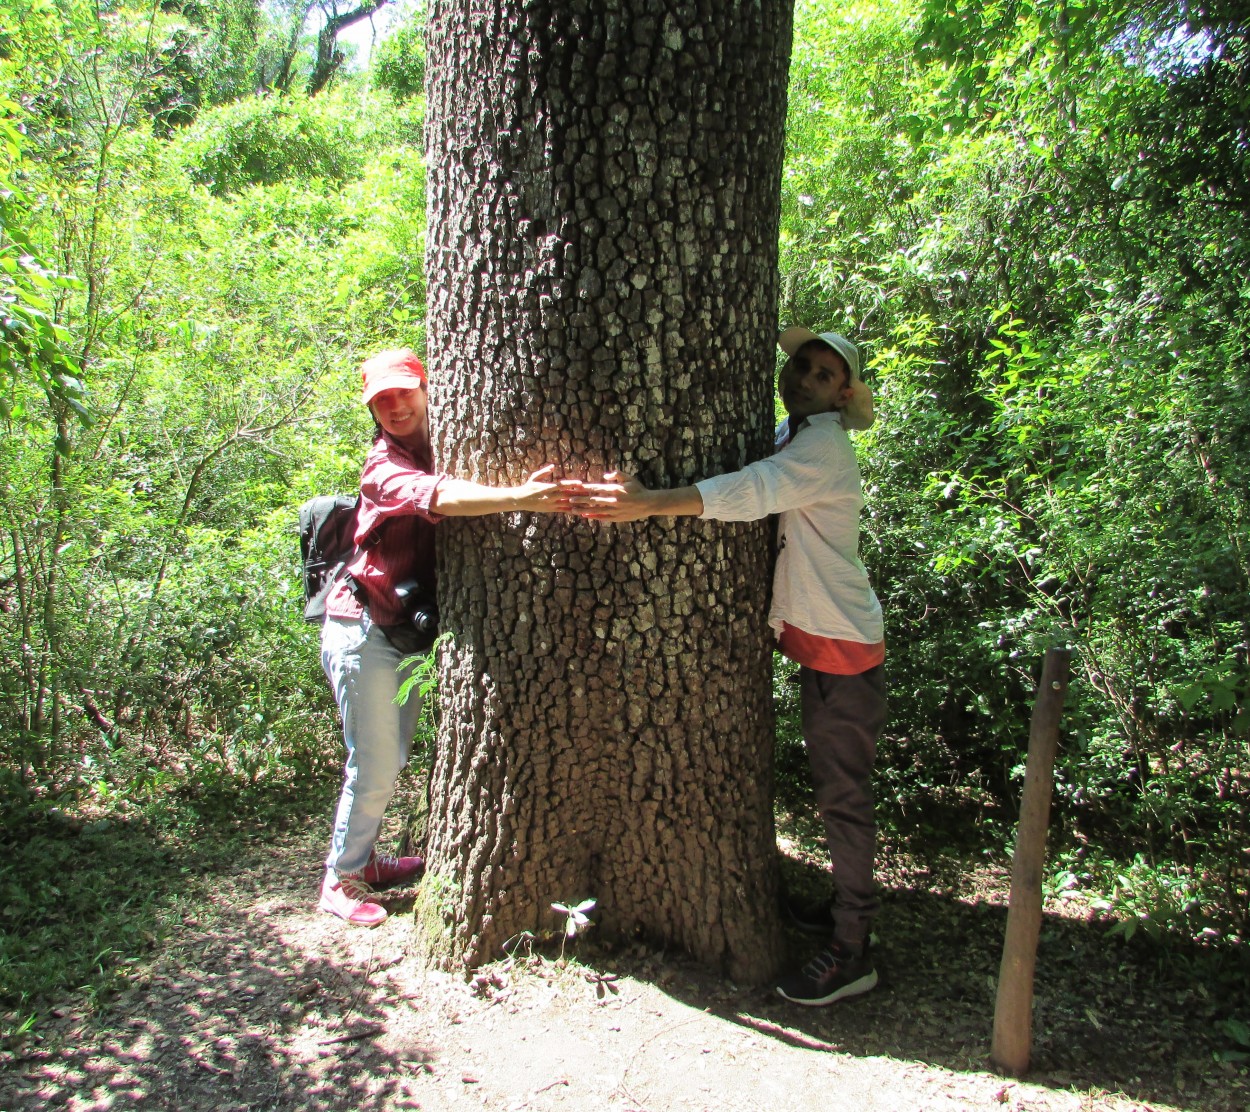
{"points": [[602, 254]]}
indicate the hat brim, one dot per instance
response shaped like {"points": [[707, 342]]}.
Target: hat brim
{"points": [[395, 380], [793, 338], [859, 413]]}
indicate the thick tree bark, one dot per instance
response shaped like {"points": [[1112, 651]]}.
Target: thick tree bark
{"points": [[602, 256]]}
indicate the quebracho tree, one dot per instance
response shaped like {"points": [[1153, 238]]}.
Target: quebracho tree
{"points": [[604, 180]]}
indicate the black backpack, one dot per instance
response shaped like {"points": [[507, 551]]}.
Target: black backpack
{"points": [[327, 532]]}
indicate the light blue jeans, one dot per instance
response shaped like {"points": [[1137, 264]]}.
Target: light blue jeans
{"points": [[363, 668]]}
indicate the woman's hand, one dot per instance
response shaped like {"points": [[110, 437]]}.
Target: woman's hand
{"points": [[538, 494], [542, 494]]}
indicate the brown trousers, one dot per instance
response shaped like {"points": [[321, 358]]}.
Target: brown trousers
{"points": [[842, 718]]}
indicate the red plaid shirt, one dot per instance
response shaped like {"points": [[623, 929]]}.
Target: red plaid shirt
{"points": [[394, 529]]}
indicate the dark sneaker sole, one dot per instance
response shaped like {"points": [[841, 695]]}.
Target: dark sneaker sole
{"points": [[866, 983]]}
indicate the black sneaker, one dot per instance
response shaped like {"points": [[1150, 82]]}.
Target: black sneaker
{"points": [[832, 974]]}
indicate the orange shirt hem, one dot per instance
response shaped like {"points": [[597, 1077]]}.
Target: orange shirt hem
{"points": [[829, 654]]}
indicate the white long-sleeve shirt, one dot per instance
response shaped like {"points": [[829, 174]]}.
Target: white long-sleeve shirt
{"points": [[819, 586]]}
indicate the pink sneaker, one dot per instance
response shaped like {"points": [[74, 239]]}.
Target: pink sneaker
{"points": [[350, 897], [384, 870]]}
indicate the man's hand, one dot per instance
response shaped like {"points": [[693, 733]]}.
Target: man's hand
{"points": [[619, 497]]}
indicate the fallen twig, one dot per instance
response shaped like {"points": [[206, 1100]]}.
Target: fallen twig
{"points": [[558, 1081], [367, 1031]]}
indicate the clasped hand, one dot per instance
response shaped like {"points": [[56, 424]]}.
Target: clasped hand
{"points": [[617, 497]]}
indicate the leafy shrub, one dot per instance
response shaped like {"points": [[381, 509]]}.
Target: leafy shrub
{"points": [[263, 140], [400, 65]]}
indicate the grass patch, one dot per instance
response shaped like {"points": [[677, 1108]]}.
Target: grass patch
{"points": [[87, 895], [75, 905]]}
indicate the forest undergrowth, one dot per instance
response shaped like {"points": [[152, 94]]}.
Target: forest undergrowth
{"points": [[106, 895], [1042, 256]]}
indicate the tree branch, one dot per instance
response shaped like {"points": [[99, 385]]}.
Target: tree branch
{"points": [[328, 57]]}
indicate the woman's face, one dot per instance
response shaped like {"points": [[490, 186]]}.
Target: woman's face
{"points": [[401, 413]]}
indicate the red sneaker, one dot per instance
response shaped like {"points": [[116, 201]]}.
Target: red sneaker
{"points": [[384, 870], [350, 897]]}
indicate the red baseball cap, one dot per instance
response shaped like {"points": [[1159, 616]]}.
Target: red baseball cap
{"points": [[398, 369]]}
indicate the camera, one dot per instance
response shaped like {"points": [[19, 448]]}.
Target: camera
{"points": [[421, 606]]}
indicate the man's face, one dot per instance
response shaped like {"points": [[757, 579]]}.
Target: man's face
{"points": [[814, 380], [400, 412]]}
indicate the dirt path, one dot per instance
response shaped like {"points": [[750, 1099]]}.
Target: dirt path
{"points": [[260, 1002]]}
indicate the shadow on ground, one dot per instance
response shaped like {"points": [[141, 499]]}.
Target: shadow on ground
{"points": [[226, 1017], [1135, 1017], [223, 1017]]}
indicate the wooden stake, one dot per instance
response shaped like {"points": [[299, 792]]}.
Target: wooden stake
{"points": [[1013, 1012]]}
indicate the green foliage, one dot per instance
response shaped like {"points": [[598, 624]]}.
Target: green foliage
{"points": [[67, 923], [261, 141], [844, 173], [85, 901], [214, 54], [422, 679], [35, 351], [1238, 1033], [1154, 901], [400, 65], [1033, 219]]}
